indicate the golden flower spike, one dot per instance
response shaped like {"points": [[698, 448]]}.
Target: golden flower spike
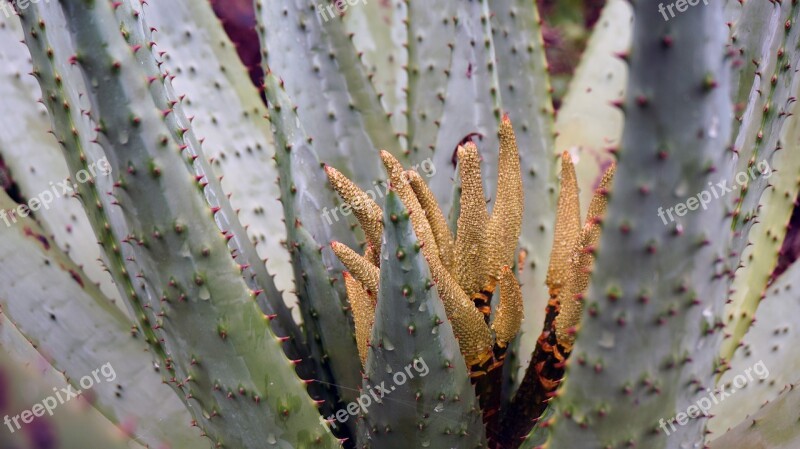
{"points": [[399, 182], [567, 228], [599, 202], [509, 314], [372, 254], [366, 210], [363, 307], [362, 269], [469, 327], [582, 262], [439, 227], [505, 225], [468, 323], [470, 264]]}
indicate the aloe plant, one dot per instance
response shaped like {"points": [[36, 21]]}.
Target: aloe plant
{"points": [[387, 244]]}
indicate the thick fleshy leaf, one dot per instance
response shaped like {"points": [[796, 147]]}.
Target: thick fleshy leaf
{"points": [[36, 163], [167, 236], [760, 136], [768, 360], [312, 54], [311, 213], [767, 109], [138, 32], [77, 330], [428, 397], [228, 115], [767, 235], [29, 383], [773, 427], [378, 34], [650, 329], [756, 35], [459, 103]]}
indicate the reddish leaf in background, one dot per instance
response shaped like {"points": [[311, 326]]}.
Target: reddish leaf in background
{"points": [[790, 250], [239, 20]]}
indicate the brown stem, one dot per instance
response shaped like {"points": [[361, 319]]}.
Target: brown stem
{"points": [[541, 380], [487, 379]]}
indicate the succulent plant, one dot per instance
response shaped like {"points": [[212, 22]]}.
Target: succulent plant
{"points": [[427, 276]]}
